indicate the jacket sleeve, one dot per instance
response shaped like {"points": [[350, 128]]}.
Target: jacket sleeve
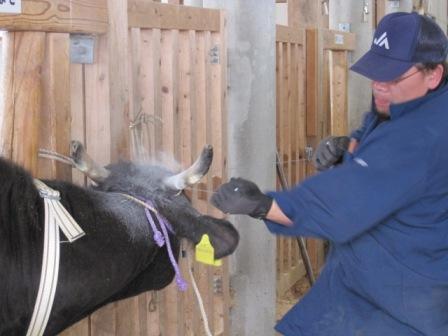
{"points": [[341, 203]]}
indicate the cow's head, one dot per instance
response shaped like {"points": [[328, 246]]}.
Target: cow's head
{"points": [[164, 189]]}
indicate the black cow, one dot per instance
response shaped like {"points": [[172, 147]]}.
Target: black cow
{"points": [[117, 258]]}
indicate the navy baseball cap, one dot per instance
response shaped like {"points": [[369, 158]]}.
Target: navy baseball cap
{"points": [[402, 40]]}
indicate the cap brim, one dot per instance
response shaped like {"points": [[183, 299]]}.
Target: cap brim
{"points": [[379, 68]]}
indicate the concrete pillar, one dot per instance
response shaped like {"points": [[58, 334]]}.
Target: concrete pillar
{"points": [[251, 154], [359, 90]]}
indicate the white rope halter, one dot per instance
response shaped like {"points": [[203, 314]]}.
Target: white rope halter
{"points": [[56, 216]]}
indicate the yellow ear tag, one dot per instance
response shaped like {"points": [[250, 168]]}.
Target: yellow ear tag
{"points": [[205, 253]]}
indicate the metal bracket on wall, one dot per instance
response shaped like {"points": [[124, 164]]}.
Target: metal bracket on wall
{"points": [[81, 48], [325, 7], [214, 55], [365, 11]]}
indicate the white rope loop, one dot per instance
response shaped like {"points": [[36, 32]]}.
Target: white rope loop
{"points": [[56, 216]]}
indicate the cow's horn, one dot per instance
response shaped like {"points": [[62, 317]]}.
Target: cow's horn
{"points": [[193, 174], [85, 163]]}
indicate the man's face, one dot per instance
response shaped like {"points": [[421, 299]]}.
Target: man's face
{"points": [[413, 84]]}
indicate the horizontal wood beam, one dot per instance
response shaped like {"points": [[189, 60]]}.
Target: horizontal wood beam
{"points": [[338, 40], [147, 14], [63, 16], [291, 35]]}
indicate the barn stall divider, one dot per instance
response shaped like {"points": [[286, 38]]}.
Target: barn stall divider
{"points": [[326, 98], [291, 137], [156, 87], [311, 73]]}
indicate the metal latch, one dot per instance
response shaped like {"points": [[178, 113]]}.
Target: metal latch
{"points": [[81, 48]]}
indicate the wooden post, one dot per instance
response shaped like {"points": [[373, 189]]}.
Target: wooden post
{"points": [[118, 72]]}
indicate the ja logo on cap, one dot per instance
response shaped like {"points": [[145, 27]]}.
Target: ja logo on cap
{"points": [[382, 41]]}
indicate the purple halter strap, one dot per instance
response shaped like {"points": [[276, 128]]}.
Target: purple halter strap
{"points": [[162, 239]]}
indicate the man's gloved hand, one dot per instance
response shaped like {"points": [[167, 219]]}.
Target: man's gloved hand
{"points": [[242, 197], [330, 151]]}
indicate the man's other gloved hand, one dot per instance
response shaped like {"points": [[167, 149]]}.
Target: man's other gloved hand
{"points": [[242, 197], [330, 151]]}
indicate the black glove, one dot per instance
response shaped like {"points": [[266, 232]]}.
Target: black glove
{"points": [[330, 152], [242, 197]]}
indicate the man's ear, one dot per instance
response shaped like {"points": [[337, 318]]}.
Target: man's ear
{"points": [[434, 77]]}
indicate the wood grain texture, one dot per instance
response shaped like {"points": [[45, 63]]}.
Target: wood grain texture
{"points": [[147, 14], [69, 16]]}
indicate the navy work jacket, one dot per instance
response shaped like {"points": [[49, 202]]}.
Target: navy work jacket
{"points": [[385, 211]]}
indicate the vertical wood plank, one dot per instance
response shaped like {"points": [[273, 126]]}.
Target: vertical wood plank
{"points": [[97, 126], [280, 88], [119, 85], [54, 122], [77, 108], [168, 80], [167, 89], [158, 93], [7, 111], [288, 112], [145, 91], [302, 112], [186, 55], [295, 127], [221, 300], [199, 139], [29, 55], [312, 83], [97, 104], [324, 101], [154, 319], [338, 93], [137, 151]]}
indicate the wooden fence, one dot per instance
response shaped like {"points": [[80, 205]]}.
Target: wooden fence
{"points": [[311, 104], [326, 102], [157, 84], [291, 137]]}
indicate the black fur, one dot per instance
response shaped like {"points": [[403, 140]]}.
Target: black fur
{"points": [[116, 259]]}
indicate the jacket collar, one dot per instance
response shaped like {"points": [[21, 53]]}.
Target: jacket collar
{"points": [[397, 110]]}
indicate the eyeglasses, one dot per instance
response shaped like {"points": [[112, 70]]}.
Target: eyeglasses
{"points": [[400, 79]]}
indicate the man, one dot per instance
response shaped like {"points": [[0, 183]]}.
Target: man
{"points": [[385, 208]]}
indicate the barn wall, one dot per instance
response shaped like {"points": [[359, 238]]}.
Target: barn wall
{"points": [[156, 88]]}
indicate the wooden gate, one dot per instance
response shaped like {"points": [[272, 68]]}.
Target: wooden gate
{"points": [[291, 137], [157, 85], [311, 104]]}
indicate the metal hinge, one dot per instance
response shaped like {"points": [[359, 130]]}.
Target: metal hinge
{"points": [[214, 55], [81, 48], [217, 284], [309, 152]]}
